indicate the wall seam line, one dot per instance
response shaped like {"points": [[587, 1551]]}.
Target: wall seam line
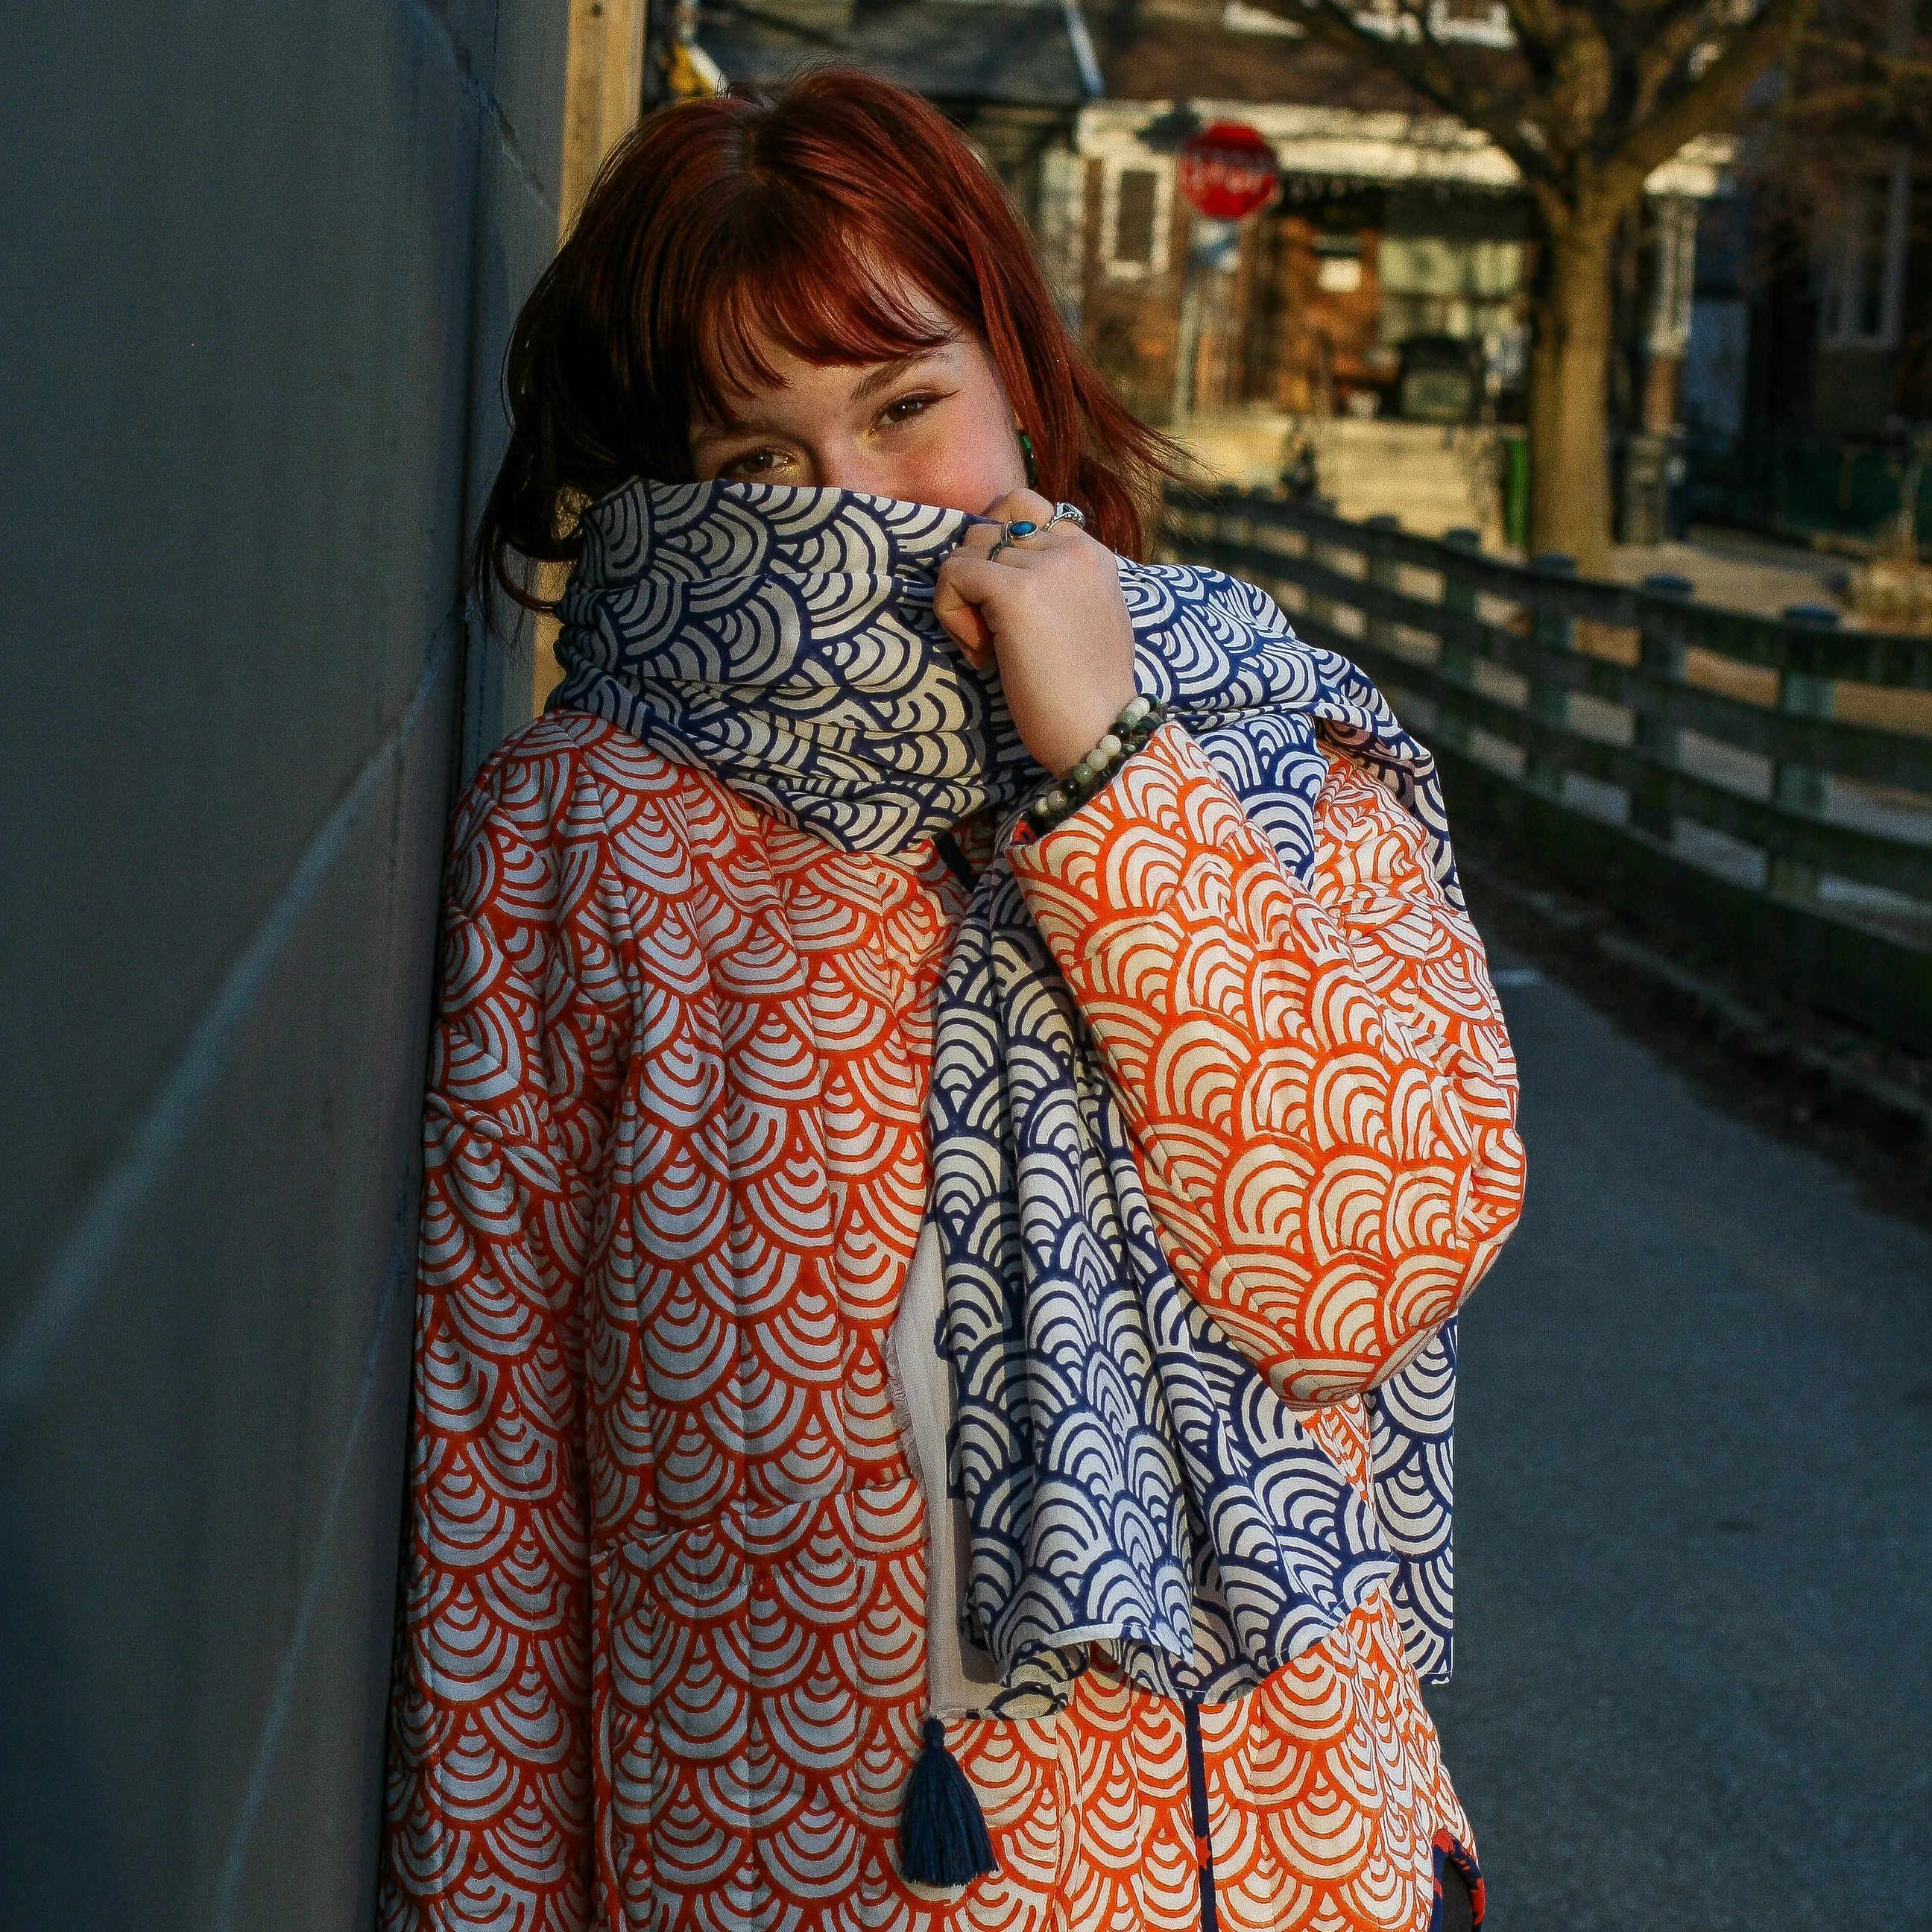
{"points": [[464, 68], [281, 1700], [80, 1263]]}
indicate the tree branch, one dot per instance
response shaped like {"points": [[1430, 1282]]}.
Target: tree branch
{"points": [[1419, 66], [1615, 22], [1711, 102], [1426, 69], [1668, 38], [1583, 150], [1538, 25]]}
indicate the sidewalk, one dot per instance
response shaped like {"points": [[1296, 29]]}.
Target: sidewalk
{"points": [[1693, 1455], [1435, 479], [1741, 571]]}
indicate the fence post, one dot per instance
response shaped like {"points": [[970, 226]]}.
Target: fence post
{"points": [[1235, 529], [1458, 660], [1549, 702], [1385, 573], [1321, 609], [1796, 787], [1663, 658]]}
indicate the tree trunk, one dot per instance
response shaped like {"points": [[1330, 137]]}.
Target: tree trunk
{"points": [[1569, 416]]}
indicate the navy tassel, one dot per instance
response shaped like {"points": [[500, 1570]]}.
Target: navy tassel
{"points": [[943, 1837]]}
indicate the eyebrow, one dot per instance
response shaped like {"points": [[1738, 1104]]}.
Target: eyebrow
{"points": [[883, 377], [887, 373]]}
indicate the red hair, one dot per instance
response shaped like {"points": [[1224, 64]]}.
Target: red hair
{"points": [[803, 214]]}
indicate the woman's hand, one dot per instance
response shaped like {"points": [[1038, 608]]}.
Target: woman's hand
{"points": [[1049, 609]]}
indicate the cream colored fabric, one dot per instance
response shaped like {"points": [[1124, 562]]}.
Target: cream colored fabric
{"points": [[961, 1676]]}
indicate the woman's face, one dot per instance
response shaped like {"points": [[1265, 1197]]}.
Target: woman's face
{"points": [[934, 427]]}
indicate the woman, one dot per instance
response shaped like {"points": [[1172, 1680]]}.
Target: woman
{"points": [[946, 1184]]}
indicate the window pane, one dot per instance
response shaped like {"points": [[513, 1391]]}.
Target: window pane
{"points": [[1872, 211], [1133, 225]]}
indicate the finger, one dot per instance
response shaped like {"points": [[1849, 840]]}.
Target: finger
{"points": [[1042, 546], [966, 599], [968, 630], [1018, 506], [973, 580], [959, 614]]}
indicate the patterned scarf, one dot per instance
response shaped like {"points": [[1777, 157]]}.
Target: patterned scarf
{"points": [[1131, 1481]]}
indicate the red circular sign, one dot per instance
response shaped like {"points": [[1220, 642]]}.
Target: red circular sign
{"points": [[1227, 170]]}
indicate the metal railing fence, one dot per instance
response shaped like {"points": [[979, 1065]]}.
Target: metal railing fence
{"points": [[1796, 486], [1761, 787]]}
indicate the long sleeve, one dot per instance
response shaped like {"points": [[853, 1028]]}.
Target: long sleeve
{"points": [[490, 1778], [1318, 1080]]}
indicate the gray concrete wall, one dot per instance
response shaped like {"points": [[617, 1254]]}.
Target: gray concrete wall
{"points": [[256, 266]]}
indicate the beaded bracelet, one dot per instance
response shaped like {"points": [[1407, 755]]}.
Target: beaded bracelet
{"points": [[1141, 719]]}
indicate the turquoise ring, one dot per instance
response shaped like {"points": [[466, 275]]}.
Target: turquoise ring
{"points": [[1010, 533]]}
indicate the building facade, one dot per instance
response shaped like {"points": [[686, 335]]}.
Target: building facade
{"points": [[1375, 317]]}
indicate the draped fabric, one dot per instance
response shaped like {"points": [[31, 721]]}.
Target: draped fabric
{"points": [[784, 639], [1132, 1481]]}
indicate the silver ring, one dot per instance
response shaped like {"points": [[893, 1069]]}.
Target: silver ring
{"points": [[1067, 513]]}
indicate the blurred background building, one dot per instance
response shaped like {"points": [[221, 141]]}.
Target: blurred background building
{"points": [[1771, 346]]}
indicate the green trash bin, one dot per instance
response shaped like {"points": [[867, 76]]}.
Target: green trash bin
{"points": [[1516, 491]]}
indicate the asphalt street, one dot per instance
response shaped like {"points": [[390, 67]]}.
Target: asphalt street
{"points": [[1693, 1684]]}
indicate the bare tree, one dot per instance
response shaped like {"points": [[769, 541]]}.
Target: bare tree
{"points": [[1592, 97], [1856, 113], [1861, 85]]}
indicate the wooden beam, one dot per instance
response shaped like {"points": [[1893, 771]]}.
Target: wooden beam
{"points": [[603, 93], [603, 89]]}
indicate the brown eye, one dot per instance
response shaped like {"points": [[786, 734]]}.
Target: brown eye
{"points": [[906, 407]]}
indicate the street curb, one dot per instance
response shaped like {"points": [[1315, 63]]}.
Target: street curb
{"points": [[1749, 1029]]}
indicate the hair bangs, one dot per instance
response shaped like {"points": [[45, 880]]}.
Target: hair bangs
{"points": [[815, 289]]}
